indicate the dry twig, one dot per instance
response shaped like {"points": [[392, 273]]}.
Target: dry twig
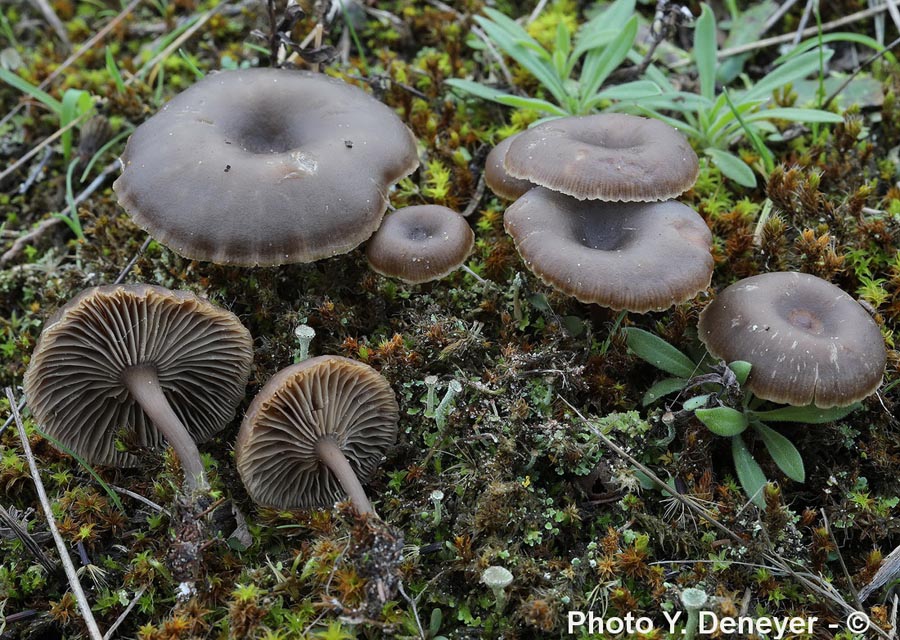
{"points": [[77, 591]]}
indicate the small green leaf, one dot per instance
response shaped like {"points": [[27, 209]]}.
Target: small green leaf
{"points": [[732, 167], [26, 87], [749, 474], [796, 115], [637, 90], [113, 70], [809, 414], [599, 63], [663, 388], [574, 325], [741, 369], [696, 403], [659, 353], [539, 302], [705, 51], [783, 452], [723, 421], [75, 103]]}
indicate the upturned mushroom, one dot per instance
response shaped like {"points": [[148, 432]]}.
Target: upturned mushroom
{"points": [[420, 244], [610, 156], [626, 256], [265, 167], [809, 343], [140, 358], [314, 432]]}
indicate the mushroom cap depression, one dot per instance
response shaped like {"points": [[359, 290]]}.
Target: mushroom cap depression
{"points": [[610, 156], [627, 256], [202, 355], [497, 178], [419, 244], [326, 396], [265, 167], [808, 342]]}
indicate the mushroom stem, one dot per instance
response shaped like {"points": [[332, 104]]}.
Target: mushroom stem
{"points": [[143, 383], [331, 455]]}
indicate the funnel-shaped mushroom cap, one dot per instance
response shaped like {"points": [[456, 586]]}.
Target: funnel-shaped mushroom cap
{"points": [[265, 167], [497, 178], [74, 384], [419, 244], [632, 256], [808, 342], [610, 156], [323, 397]]}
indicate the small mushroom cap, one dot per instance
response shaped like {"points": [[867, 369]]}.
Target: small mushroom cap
{"points": [[326, 396], [420, 244], [808, 342], [497, 178], [610, 156], [634, 256], [496, 577], [202, 355], [265, 167]]}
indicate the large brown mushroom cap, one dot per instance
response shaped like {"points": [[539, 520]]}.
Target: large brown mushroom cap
{"points": [[265, 167], [610, 156], [633, 256], [808, 342], [323, 397], [74, 384], [419, 244], [496, 176]]}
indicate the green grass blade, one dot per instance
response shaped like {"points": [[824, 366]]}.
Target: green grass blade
{"points": [[27, 88], [705, 51], [599, 63], [113, 70], [59, 445]]}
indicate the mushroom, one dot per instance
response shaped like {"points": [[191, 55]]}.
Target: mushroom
{"points": [[265, 167], [808, 342], [420, 244], [497, 178], [610, 156], [155, 362], [315, 429], [497, 578], [626, 256]]}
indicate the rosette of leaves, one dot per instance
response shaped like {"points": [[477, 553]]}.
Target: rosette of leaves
{"points": [[728, 410], [595, 51], [715, 121]]}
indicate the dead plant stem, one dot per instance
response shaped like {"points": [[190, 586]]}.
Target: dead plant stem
{"points": [[77, 591]]}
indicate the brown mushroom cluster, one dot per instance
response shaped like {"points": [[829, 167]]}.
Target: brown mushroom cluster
{"points": [[595, 217], [142, 363]]}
